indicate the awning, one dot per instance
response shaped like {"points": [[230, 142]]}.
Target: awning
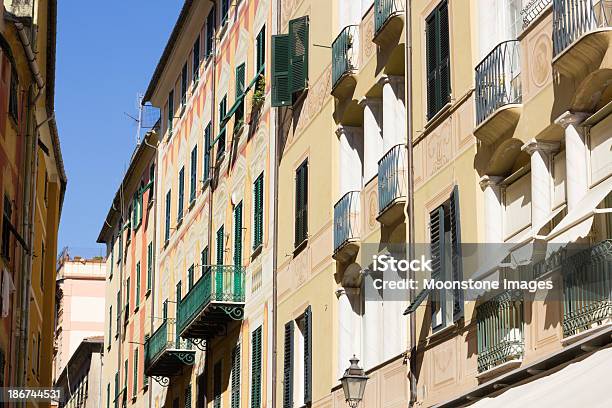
{"points": [[580, 384]]}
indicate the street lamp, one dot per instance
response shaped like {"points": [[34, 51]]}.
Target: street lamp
{"points": [[353, 383]]}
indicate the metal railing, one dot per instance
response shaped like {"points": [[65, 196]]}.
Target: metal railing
{"points": [[164, 338], [500, 330], [392, 177], [383, 9], [498, 79], [345, 53], [573, 18], [533, 9], [587, 288], [219, 283], [346, 219]]}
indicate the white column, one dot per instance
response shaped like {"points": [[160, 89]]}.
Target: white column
{"points": [[349, 327], [372, 136], [541, 180], [493, 210], [400, 110], [351, 159], [390, 125], [575, 158]]}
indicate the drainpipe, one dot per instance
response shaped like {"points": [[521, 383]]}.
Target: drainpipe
{"points": [[412, 355]]}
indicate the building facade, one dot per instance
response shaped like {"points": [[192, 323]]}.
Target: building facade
{"points": [[32, 181], [80, 303]]}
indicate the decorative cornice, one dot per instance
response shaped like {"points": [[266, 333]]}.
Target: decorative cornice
{"points": [[568, 118], [534, 145]]}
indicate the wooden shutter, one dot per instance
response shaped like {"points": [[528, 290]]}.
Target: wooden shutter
{"points": [[181, 192], [258, 212], [438, 59], [256, 368], [288, 367], [261, 49], [178, 301], [190, 276], [281, 93], [456, 259], [168, 202], [206, 163], [308, 356], [301, 204], [145, 378], [436, 225], [444, 58], [240, 79], [431, 39], [149, 265], [188, 396], [137, 293], [210, 27], [238, 235], [298, 53], [135, 374], [194, 169], [204, 260], [220, 260], [170, 110], [235, 400]]}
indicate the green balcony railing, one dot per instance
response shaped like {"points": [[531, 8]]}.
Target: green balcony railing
{"points": [[346, 219], [219, 283], [383, 10], [574, 18], [345, 53], [392, 177], [500, 330], [587, 288], [163, 339]]}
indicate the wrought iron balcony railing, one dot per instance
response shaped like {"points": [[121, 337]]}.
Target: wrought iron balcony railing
{"points": [[220, 284], [573, 18], [346, 219], [587, 289], [383, 10], [498, 79], [345, 53], [500, 330], [533, 9], [165, 353], [392, 177]]}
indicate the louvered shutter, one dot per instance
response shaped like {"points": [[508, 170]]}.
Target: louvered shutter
{"points": [[456, 259], [258, 212], [431, 36], [194, 169], [444, 56], [240, 75], [308, 356], [281, 93], [436, 225], [235, 401], [298, 53], [288, 367], [219, 269], [181, 192], [261, 49], [135, 374], [301, 204], [206, 163], [188, 396], [190, 277], [256, 369], [167, 226], [178, 301], [238, 235]]}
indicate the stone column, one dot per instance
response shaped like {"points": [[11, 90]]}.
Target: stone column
{"points": [[393, 108], [541, 180], [350, 159], [372, 136], [349, 326], [575, 157], [493, 210]]}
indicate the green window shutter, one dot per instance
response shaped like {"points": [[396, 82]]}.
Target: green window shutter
{"points": [[125, 374], [456, 258], [167, 226], [220, 246], [301, 204], [210, 29], [298, 53], [281, 93], [181, 192], [238, 235], [256, 368], [135, 374], [444, 58], [165, 309], [217, 385], [235, 400], [204, 260], [118, 313], [137, 294], [145, 378], [196, 59], [184, 85], [308, 356], [108, 395], [219, 286], [116, 389], [258, 212], [206, 163], [112, 256], [127, 297], [438, 59], [170, 110], [431, 34], [261, 49], [288, 367], [188, 396], [240, 78], [436, 222], [193, 178], [190, 276], [178, 301], [110, 324], [149, 265]]}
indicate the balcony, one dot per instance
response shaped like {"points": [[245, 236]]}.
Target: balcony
{"points": [[216, 299], [498, 92], [345, 61], [388, 21], [581, 35], [587, 289], [392, 185], [501, 342], [164, 357], [347, 226]]}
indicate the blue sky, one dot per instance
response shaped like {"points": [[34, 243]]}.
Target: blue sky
{"points": [[106, 54]]}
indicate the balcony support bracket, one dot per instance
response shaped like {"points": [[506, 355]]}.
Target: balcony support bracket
{"points": [[163, 381]]}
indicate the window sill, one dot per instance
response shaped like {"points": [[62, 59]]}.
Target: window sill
{"points": [[148, 293], [191, 203], [449, 330], [179, 223], [136, 308], [439, 116], [300, 247], [256, 251], [205, 183]]}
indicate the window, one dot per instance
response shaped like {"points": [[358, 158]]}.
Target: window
{"points": [[258, 211], [117, 389], [256, 359], [438, 59], [190, 272], [46, 189], [235, 400], [445, 235], [135, 374], [297, 361], [145, 378], [220, 246], [168, 202], [184, 86], [179, 296], [181, 195], [301, 204], [210, 33], [240, 84], [206, 162], [238, 235], [14, 96], [165, 309], [127, 298], [201, 390], [112, 257], [193, 176], [42, 266], [7, 215], [290, 62], [204, 260], [108, 395], [110, 325], [260, 57], [288, 367], [151, 181], [217, 385], [225, 4], [125, 375], [170, 111], [149, 266], [137, 294], [221, 137], [118, 314], [128, 225], [196, 60], [120, 234]]}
